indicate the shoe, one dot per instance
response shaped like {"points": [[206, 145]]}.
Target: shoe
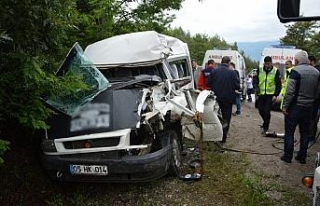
{"points": [[285, 159], [236, 113], [264, 132], [300, 160], [224, 140]]}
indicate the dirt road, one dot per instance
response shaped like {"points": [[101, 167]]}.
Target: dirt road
{"points": [[245, 134]]}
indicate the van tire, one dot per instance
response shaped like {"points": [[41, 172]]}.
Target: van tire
{"points": [[175, 153]]}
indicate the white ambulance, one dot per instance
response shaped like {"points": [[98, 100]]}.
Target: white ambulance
{"points": [[279, 54], [236, 58]]}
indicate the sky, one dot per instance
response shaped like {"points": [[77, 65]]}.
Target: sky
{"points": [[232, 20]]}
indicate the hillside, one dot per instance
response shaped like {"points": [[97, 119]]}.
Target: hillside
{"points": [[254, 49]]}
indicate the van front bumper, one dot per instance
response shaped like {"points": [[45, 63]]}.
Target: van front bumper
{"points": [[126, 169]]}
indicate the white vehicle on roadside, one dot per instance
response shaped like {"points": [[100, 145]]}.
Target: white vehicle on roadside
{"points": [[236, 58], [279, 54], [130, 124]]}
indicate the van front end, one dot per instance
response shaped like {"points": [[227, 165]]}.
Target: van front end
{"points": [[105, 157]]}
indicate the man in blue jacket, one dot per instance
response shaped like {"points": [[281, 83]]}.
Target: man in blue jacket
{"points": [[224, 83]]}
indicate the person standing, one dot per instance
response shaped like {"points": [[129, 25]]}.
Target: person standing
{"points": [[316, 104], [196, 72], [224, 82], [232, 66], [268, 89], [313, 62], [289, 67], [249, 83], [298, 105], [204, 75]]}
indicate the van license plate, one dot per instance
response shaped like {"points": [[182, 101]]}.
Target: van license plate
{"points": [[89, 169]]}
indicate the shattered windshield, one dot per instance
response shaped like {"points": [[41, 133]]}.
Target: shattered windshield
{"points": [[78, 65]]}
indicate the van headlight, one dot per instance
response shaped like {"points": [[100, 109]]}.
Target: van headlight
{"points": [[48, 145]]}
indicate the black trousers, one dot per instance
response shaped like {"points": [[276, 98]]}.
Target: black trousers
{"points": [[226, 111], [264, 107], [314, 120], [298, 116]]}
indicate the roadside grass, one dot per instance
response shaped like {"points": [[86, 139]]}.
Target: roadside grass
{"points": [[228, 179]]}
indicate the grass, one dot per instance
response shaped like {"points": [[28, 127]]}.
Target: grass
{"points": [[229, 179]]}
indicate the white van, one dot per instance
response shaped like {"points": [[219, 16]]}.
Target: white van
{"points": [[279, 54], [129, 125], [236, 58]]}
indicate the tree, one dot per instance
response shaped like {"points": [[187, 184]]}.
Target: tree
{"points": [[303, 35], [101, 19], [199, 43], [43, 31]]}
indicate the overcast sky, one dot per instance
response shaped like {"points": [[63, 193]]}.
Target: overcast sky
{"points": [[233, 20]]}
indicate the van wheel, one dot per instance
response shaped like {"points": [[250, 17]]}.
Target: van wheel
{"points": [[175, 155]]}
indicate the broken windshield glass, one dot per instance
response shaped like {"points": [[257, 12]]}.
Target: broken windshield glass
{"points": [[78, 65]]}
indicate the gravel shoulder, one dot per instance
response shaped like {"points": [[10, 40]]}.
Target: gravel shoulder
{"points": [[245, 135]]}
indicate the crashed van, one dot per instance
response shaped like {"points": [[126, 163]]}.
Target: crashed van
{"points": [[131, 122]]}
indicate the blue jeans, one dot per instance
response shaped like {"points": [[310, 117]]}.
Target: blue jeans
{"points": [[238, 104], [297, 116]]}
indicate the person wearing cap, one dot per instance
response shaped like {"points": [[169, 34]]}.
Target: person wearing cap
{"points": [[224, 83], [298, 105], [268, 87]]}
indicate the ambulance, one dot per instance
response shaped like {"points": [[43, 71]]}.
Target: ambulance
{"points": [[236, 58], [279, 54]]}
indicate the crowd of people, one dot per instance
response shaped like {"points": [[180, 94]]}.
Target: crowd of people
{"points": [[298, 87]]}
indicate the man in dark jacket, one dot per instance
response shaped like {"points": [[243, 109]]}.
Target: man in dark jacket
{"points": [[224, 82], [298, 105]]}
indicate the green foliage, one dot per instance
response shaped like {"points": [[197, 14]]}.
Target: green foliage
{"points": [[250, 64], [4, 146], [304, 35], [98, 20], [44, 30], [199, 43]]}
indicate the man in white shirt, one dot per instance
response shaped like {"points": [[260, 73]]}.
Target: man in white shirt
{"points": [[249, 87]]}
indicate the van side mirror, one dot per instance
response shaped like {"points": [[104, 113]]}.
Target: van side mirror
{"points": [[298, 10]]}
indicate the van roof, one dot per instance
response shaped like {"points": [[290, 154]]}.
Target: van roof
{"points": [[139, 48]]}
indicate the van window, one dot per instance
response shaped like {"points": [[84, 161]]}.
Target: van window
{"points": [[179, 69]]}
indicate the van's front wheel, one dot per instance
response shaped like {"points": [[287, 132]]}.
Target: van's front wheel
{"points": [[176, 158]]}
